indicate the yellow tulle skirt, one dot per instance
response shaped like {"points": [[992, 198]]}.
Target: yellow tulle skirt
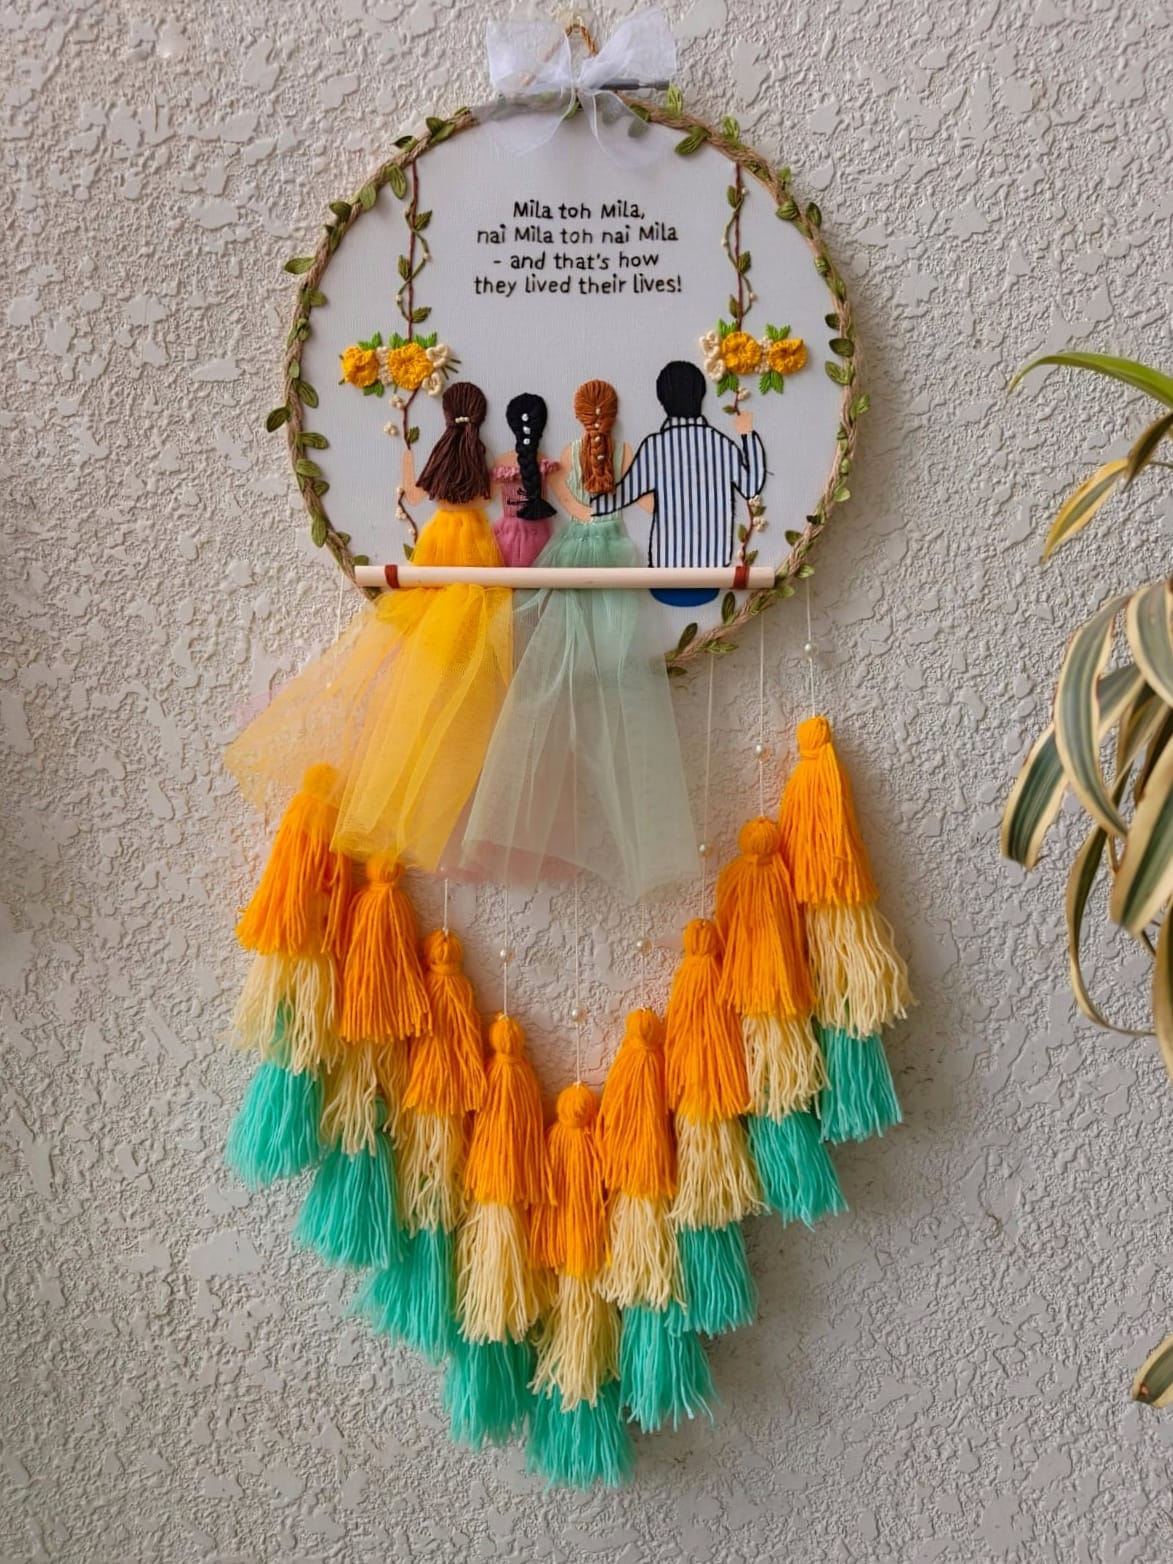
{"points": [[403, 705]]}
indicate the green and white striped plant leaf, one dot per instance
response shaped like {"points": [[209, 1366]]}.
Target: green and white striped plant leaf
{"points": [[1153, 753], [1149, 627], [1038, 791], [1137, 726], [1144, 882], [1163, 993], [1154, 1384], [1079, 508], [1141, 377], [1078, 714], [1145, 447]]}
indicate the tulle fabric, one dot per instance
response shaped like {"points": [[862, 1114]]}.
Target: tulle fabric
{"points": [[584, 771], [403, 705]]}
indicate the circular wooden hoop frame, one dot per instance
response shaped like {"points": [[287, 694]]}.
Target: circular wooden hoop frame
{"points": [[844, 368]]}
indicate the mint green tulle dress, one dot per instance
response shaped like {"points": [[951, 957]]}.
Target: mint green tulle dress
{"points": [[584, 770]]}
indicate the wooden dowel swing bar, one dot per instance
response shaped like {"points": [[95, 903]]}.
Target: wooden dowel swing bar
{"points": [[738, 578]]}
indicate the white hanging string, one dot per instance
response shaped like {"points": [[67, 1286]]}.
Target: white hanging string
{"points": [[445, 923], [761, 746], [704, 847], [338, 613], [506, 957], [576, 1015], [809, 649]]}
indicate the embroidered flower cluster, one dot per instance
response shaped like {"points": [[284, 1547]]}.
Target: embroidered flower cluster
{"points": [[731, 353], [402, 364]]}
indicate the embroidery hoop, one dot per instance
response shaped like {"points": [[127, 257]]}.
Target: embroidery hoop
{"points": [[844, 368]]}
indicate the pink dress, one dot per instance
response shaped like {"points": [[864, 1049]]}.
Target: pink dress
{"points": [[520, 541]]}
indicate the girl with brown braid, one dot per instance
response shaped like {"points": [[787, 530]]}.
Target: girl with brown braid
{"points": [[584, 770], [404, 704], [520, 474]]}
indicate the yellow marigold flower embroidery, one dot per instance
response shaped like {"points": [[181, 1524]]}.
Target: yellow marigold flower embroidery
{"points": [[787, 356], [409, 366], [740, 353], [360, 366]]}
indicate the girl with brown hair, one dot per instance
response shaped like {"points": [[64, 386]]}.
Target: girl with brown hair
{"points": [[584, 770], [404, 704]]}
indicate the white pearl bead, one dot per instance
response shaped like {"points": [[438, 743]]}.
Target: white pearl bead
{"points": [[505, 955], [703, 849], [809, 648], [762, 752], [643, 946], [577, 1015]]}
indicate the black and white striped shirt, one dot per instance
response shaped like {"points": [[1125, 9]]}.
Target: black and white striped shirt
{"points": [[695, 473]]}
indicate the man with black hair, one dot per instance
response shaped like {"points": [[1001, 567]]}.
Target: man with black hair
{"points": [[694, 473]]}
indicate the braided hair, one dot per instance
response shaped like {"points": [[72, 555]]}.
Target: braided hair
{"points": [[457, 471], [526, 416], [596, 406]]}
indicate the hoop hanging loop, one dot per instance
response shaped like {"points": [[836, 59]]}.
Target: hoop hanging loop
{"points": [[577, 28]]}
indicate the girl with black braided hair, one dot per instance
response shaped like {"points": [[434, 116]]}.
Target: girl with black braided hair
{"points": [[520, 477]]}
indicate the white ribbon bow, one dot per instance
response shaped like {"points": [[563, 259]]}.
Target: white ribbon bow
{"points": [[538, 82]]}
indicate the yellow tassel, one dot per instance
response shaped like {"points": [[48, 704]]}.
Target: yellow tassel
{"points": [[570, 1227], [364, 1089], [861, 980], [447, 1063], [717, 1181], [820, 834], [578, 1348], [497, 1292], [764, 968], [703, 1052], [785, 1062], [505, 1154], [300, 989], [642, 1268], [383, 996], [635, 1134], [293, 908], [431, 1163]]}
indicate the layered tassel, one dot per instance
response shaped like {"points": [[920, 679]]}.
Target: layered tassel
{"points": [[275, 1133], [384, 999], [299, 907], [583, 1446], [350, 1215], [498, 1296], [703, 1054], [797, 1175], [664, 1373], [860, 979]]}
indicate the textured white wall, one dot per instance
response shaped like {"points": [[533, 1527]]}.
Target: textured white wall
{"points": [[942, 1374]]}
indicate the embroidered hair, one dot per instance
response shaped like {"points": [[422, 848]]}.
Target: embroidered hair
{"points": [[526, 416], [457, 471], [596, 406], [680, 387]]}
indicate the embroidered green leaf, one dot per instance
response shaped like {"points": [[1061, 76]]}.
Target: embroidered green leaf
{"points": [[304, 468], [367, 197], [787, 211], [421, 313], [751, 557], [777, 380], [279, 416], [687, 637], [374, 389], [839, 373], [395, 340], [295, 370], [860, 405], [822, 265], [422, 219], [297, 264], [341, 209], [404, 267], [360, 559], [397, 179], [675, 100], [838, 287], [727, 382], [742, 533], [440, 130], [734, 196], [319, 485], [719, 648], [832, 320], [805, 570], [307, 393], [430, 342], [724, 327], [318, 530], [844, 346], [743, 262], [310, 439], [412, 435], [813, 216], [730, 129], [728, 607], [784, 175], [792, 537], [841, 494], [766, 381], [695, 139]]}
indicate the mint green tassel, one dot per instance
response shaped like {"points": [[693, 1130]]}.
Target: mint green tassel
{"points": [[664, 1372], [859, 1100], [487, 1394], [719, 1292], [582, 1447], [349, 1216], [415, 1300], [797, 1174], [275, 1132]]}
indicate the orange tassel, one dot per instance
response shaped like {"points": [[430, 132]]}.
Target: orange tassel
{"points": [[570, 1228], [764, 971], [635, 1136], [820, 834], [505, 1155], [447, 1063], [299, 905], [383, 994], [703, 1052]]}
